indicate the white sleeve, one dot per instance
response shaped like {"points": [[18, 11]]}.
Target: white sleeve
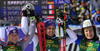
{"points": [[30, 35], [36, 41], [24, 25], [2, 34], [71, 39]]}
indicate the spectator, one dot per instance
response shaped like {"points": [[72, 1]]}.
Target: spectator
{"points": [[94, 4], [94, 12], [97, 19], [87, 15]]}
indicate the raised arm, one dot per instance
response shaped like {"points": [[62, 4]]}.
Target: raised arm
{"points": [[2, 37], [2, 34], [30, 34], [28, 11], [24, 25], [72, 37]]}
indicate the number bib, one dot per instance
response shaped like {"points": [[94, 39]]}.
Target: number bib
{"points": [[91, 46], [12, 48], [51, 45]]}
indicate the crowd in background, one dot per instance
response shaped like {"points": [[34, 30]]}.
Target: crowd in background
{"points": [[81, 10]]}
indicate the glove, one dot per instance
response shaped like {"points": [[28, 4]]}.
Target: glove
{"points": [[24, 13], [62, 25], [28, 13], [28, 10]]}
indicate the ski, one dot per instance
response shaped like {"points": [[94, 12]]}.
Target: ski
{"points": [[65, 17], [41, 35], [58, 21]]}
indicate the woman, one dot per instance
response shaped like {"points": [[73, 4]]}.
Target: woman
{"points": [[89, 41], [52, 42], [14, 43]]}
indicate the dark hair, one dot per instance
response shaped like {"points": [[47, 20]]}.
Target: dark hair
{"points": [[95, 38], [37, 18]]}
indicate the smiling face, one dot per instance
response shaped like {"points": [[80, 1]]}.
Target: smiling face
{"points": [[14, 37], [50, 31], [89, 32]]}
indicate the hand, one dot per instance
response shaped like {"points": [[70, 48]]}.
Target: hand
{"points": [[28, 10], [62, 25], [28, 13], [24, 13]]}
